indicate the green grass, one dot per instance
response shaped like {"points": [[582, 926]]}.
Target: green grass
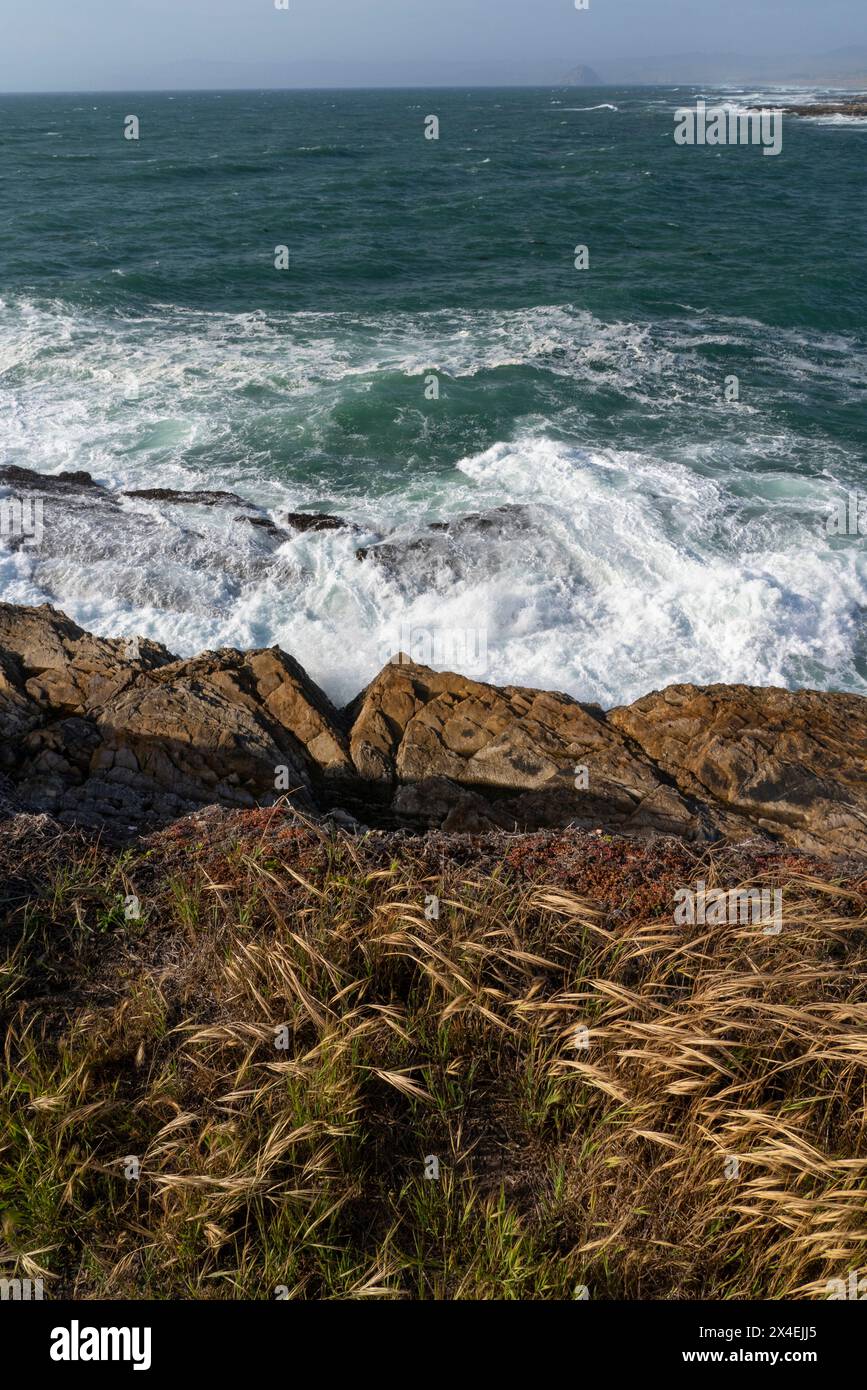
{"points": [[300, 1172]]}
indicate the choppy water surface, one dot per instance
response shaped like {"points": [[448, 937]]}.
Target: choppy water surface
{"points": [[655, 532]]}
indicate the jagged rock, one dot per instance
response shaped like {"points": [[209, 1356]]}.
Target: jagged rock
{"points": [[61, 666], [121, 735], [272, 684], [18, 712], [521, 753], [792, 763], [184, 738], [316, 521], [107, 731], [56, 484]]}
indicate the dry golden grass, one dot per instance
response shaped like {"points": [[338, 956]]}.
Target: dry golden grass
{"points": [[285, 1040]]}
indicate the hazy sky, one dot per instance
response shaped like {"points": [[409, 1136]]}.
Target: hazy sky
{"points": [[75, 44]]}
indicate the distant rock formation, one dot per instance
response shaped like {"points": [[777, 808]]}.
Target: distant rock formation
{"points": [[117, 734], [828, 108], [582, 76]]}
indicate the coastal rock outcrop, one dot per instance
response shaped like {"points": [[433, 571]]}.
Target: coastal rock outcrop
{"points": [[51, 484], [451, 749], [194, 498], [317, 521], [851, 107], [59, 666], [120, 735], [793, 763]]}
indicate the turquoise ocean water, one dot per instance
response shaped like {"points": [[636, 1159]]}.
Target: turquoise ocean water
{"points": [[656, 532]]}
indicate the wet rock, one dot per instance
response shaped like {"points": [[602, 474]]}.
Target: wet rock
{"points": [[262, 523], [317, 521], [445, 541], [499, 521], [192, 499], [53, 484], [828, 108]]}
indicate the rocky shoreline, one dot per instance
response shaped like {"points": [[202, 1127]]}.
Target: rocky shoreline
{"points": [[435, 544], [120, 736], [830, 108]]}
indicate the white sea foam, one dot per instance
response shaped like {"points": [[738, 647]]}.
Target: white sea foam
{"points": [[630, 573], [626, 570]]}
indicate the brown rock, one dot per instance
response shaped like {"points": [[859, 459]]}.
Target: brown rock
{"points": [[791, 763], [518, 751], [19, 714], [379, 716], [273, 686], [193, 741], [65, 668], [108, 733]]}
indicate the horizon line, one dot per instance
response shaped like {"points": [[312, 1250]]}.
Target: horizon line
{"points": [[392, 87]]}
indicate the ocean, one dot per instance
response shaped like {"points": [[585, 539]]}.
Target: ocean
{"points": [[431, 353]]}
